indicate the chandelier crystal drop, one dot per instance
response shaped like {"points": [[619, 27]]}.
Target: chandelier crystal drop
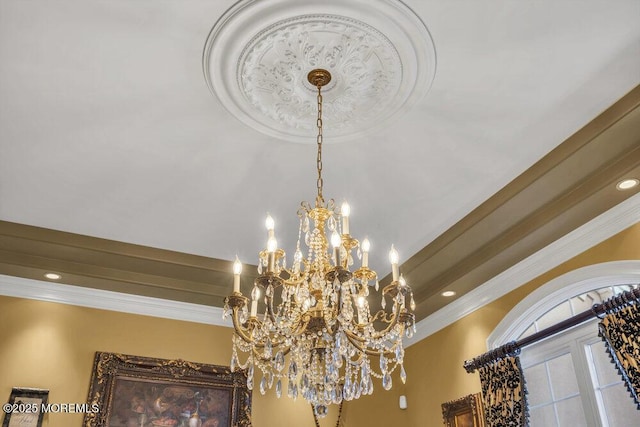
{"points": [[317, 327]]}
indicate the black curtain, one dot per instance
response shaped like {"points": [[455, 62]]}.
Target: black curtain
{"points": [[504, 393], [620, 330]]}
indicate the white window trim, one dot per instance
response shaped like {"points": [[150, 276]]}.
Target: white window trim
{"points": [[573, 342], [576, 282], [570, 284]]}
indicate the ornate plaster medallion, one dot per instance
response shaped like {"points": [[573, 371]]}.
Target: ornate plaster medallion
{"points": [[258, 54]]}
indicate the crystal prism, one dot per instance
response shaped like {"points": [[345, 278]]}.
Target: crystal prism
{"points": [[279, 361], [250, 377], [386, 381], [263, 385], [234, 361], [383, 363]]}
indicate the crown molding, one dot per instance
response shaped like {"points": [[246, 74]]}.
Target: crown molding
{"points": [[574, 243], [595, 231], [107, 300]]}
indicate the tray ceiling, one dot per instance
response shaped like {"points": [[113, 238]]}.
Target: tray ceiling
{"points": [[108, 130]]}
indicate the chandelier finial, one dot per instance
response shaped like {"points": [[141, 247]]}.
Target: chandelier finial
{"points": [[319, 77]]}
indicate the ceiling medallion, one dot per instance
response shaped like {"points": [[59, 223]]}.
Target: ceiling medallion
{"points": [[367, 70], [315, 322], [258, 53]]}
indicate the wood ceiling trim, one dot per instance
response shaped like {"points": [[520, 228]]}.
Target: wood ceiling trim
{"points": [[463, 255], [109, 284], [111, 247], [578, 178], [481, 271], [27, 251], [544, 166], [99, 272]]}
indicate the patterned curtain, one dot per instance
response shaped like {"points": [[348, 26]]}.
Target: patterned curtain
{"points": [[620, 330], [504, 393]]}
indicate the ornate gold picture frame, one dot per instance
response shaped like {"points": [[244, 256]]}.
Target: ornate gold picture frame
{"points": [[464, 412], [134, 391]]}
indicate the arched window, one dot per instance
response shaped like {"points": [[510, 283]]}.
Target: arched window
{"points": [[570, 378]]}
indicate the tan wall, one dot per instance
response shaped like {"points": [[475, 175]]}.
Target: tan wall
{"points": [[434, 365], [47, 345], [52, 346]]}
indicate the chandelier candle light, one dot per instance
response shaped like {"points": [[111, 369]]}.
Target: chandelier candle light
{"points": [[317, 312]]}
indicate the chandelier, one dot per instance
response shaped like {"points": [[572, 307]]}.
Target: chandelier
{"points": [[316, 327]]}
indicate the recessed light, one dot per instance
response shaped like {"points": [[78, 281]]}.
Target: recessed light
{"points": [[52, 276], [448, 293], [626, 184]]}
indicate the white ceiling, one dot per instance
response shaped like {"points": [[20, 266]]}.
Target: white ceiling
{"points": [[108, 129]]}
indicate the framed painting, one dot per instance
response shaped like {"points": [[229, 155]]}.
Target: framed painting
{"points": [[24, 407], [134, 391], [464, 412]]}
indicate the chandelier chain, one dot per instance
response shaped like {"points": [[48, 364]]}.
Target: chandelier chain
{"points": [[319, 198]]}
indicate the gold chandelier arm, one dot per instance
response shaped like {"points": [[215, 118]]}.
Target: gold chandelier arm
{"points": [[294, 282], [399, 313], [240, 330], [303, 274], [353, 339], [270, 281], [380, 315], [245, 333]]}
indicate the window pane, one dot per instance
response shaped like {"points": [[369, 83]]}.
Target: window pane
{"points": [[619, 406], [543, 417], [532, 330], [570, 412], [583, 302], [563, 376], [537, 385], [606, 372], [606, 293], [555, 315]]}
